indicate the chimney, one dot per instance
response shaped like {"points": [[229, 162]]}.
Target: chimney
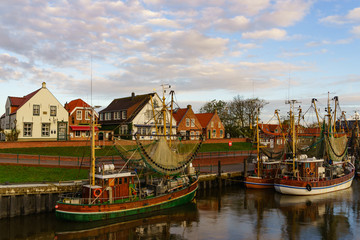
{"points": [[189, 106], [132, 95], [44, 85]]}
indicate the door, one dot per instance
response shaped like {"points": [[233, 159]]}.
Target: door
{"points": [[62, 131]]}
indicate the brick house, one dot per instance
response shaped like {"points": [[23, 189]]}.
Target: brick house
{"points": [[80, 119], [188, 126], [212, 126], [36, 116], [135, 114]]}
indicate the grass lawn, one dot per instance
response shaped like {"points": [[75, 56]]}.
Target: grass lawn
{"points": [[20, 174]]}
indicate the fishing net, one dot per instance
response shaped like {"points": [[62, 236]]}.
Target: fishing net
{"points": [[168, 158], [337, 147]]}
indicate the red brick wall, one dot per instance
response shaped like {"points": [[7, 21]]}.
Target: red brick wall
{"points": [[182, 125], [216, 120], [4, 145]]}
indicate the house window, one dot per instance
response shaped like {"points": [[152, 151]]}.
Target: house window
{"points": [[78, 115], [221, 133], [212, 124], [87, 133], [53, 111], [192, 135], [101, 116], [72, 120], [117, 115], [108, 116], [87, 115], [214, 133], [36, 110], [77, 133], [27, 129], [124, 129], [187, 122], [123, 114], [219, 125], [193, 122], [45, 129], [149, 115]]}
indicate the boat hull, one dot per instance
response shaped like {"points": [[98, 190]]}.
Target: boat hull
{"points": [[259, 183], [95, 212], [296, 187]]}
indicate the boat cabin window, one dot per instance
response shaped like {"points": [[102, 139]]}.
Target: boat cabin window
{"points": [[125, 180], [120, 180]]}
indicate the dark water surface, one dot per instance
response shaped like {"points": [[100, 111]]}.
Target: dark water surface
{"points": [[232, 213]]}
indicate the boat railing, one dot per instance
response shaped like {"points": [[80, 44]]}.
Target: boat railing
{"points": [[76, 199]]}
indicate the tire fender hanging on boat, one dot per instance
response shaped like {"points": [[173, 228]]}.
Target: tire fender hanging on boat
{"points": [[308, 187]]}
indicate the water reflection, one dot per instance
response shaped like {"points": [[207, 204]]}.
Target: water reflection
{"points": [[231, 213]]}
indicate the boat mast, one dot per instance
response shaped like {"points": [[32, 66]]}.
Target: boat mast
{"points": [[258, 144], [164, 110], [292, 124], [317, 114], [281, 128], [171, 113], [336, 103]]}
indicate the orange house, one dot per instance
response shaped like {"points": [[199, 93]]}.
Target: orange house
{"points": [[212, 126], [188, 126], [80, 119]]}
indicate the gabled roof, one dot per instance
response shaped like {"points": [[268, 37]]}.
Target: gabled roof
{"points": [[132, 105], [179, 114], [77, 103], [204, 118], [20, 101]]}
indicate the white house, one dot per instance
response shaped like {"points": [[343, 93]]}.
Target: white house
{"points": [[135, 114], [38, 116]]}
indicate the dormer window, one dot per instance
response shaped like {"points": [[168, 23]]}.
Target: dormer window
{"points": [[123, 114], [36, 110]]}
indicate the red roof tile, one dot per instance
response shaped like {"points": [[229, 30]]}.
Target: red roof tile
{"points": [[204, 118], [179, 114], [76, 103], [20, 101]]}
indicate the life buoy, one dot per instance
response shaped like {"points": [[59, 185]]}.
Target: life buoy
{"points": [[308, 171], [97, 192], [308, 187]]}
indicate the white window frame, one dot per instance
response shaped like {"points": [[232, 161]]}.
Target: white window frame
{"points": [[123, 114], [187, 122], [36, 110], [45, 130], [78, 116], [53, 111], [219, 125], [101, 116], [192, 120], [212, 124], [87, 115], [27, 130]]}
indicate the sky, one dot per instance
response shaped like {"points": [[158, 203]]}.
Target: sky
{"points": [[276, 50]]}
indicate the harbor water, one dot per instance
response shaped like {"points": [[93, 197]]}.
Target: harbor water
{"points": [[230, 213]]}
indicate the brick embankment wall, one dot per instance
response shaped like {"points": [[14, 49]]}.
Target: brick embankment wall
{"points": [[4, 145]]}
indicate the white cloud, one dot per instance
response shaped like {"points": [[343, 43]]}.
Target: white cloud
{"points": [[356, 30], [286, 13], [163, 22], [275, 34], [354, 14], [232, 25], [247, 45]]}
